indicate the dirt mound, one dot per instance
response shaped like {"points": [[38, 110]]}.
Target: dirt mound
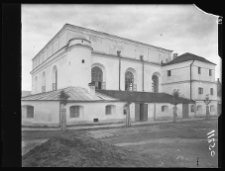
{"points": [[69, 150]]}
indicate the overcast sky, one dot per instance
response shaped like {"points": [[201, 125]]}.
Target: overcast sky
{"points": [[182, 28]]}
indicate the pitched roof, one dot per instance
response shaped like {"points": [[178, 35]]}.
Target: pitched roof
{"points": [[98, 32], [75, 93], [143, 96], [186, 57], [25, 93]]}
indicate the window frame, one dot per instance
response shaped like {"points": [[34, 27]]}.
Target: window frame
{"points": [[155, 84], [27, 112], [97, 76], [164, 108], [199, 107], [192, 108], [200, 90], [108, 110], [76, 113], [212, 107], [169, 73], [211, 91], [210, 72], [199, 70], [129, 81]]}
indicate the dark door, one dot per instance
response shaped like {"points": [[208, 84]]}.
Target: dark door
{"points": [[185, 111], [145, 118], [137, 111], [141, 112]]}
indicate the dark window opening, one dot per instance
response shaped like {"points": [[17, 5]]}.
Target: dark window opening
{"points": [[95, 119], [96, 77], [210, 72], [211, 91], [74, 111], [200, 90], [30, 112], [169, 73], [192, 108], [83, 61], [155, 84], [129, 81], [199, 70], [164, 109], [108, 110]]}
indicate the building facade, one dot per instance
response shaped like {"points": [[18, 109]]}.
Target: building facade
{"points": [[76, 56], [194, 77]]}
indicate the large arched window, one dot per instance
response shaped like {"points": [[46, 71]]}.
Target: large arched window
{"points": [[155, 82], [43, 82], [36, 84], [55, 78], [96, 77], [129, 81]]}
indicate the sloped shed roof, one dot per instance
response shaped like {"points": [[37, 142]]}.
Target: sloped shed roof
{"points": [[75, 93], [143, 96], [186, 57]]}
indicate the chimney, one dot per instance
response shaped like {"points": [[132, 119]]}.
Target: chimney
{"points": [[175, 55], [91, 88]]}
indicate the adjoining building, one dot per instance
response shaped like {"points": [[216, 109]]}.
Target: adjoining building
{"points": [[120, 70], [194, 77]]}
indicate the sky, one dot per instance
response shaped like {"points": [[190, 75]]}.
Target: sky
{"points": [[181, 28]]}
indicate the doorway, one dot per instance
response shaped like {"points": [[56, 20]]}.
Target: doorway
{"points": [[185, 111], [141, 112]]}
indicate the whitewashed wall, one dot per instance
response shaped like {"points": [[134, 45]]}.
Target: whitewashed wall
{"points": [[45, 113], [96, 110]]}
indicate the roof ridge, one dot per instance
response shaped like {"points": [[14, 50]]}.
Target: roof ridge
{"points": [[109, 34]]}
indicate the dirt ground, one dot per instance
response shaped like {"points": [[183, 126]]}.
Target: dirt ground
{"points": [[159, 145], [171, 145]]}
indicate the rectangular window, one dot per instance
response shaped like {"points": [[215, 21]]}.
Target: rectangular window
{"points": [[210, 72], [200, 90], [192, 108], [169, 73], [199, 70], [108, 110], [74, 111], [30, 112], [211, 91]]}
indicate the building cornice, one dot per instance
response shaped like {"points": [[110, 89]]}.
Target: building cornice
{"points": [[52, 58], [177, 82], [203, 81], [124, 58], [79, 45], [188, 81], [51, 40], [202, 100]]}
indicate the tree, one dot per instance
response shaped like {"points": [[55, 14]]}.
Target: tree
{"points": [[176, 95], [63, 100], [63, 97]]}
